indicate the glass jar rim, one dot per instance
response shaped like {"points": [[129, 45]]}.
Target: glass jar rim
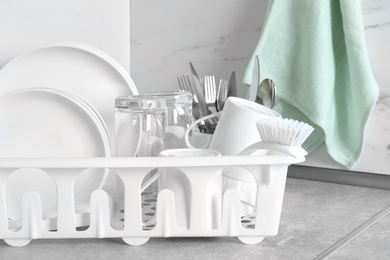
{"points": [[140, 102], [173, 96]]}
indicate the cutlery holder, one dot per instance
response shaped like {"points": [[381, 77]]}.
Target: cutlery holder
{"points": [[111, 216]]}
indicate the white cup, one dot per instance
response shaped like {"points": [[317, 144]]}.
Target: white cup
{"points": [[198, 191], [236, 130]]}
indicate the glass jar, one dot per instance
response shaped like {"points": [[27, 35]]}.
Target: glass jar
{"points": [[179, 116], [140, 125]]}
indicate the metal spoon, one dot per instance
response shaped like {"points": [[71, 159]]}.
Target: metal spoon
{"points": [[266, 93], [273, 93]]}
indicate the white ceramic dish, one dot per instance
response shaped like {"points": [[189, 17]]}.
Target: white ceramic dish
{"points": [[74, 68], [49, 123]]}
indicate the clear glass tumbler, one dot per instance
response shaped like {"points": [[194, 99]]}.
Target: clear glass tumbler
{"points": [[179, 116], [140, 126]]}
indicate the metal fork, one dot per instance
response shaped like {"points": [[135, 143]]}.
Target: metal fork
{"points": [[210, 93], [185, 84]]}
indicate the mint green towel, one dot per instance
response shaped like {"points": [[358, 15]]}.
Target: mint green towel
{"points": [[315, 52]]}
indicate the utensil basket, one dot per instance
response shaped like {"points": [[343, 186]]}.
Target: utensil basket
{"points": [[109, 216]]}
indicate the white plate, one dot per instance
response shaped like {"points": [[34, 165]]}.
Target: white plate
{"points": [[74, 68], [49, 123]]}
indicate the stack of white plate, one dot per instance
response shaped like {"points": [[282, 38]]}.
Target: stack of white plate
{"points": [[58, 101]]}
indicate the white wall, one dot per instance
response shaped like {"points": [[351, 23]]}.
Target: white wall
{"points": [[30, 24]]}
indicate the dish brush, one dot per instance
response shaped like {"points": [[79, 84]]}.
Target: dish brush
{"points": [[281, 135]]}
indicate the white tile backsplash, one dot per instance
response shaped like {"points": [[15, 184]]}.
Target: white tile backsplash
{"points": [[219, 36]]}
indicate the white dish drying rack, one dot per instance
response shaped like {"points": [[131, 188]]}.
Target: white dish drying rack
{"points": [[109, 216]]}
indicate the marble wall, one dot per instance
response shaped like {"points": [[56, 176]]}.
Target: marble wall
{"points": [[216, 36], [219, 36]]}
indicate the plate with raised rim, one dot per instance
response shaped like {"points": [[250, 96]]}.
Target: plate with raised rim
{"points": [[75, 68], [36, 122]]}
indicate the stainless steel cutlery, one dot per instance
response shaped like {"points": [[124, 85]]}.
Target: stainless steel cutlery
{"points": [[221, 94], [232, 85], [186, 85], [210, 92], [263, 92], [253, 88], [207, 97], [198, 92], [266, 94]]}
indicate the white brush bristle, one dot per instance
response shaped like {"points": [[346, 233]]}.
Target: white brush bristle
{"points": [[283, 131]]}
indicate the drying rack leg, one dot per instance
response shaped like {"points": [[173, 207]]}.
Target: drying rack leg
{"points": [[251, 240], [135, 241]]}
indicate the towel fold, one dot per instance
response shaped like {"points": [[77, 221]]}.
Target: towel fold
{"points": [[315, 52]]}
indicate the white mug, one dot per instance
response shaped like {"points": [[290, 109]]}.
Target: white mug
{"points": [[236, 130], [198, 192]]}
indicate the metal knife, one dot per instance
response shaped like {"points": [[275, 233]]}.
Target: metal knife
{"points": [[253, 89], [198, 94], [232, 86]]}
